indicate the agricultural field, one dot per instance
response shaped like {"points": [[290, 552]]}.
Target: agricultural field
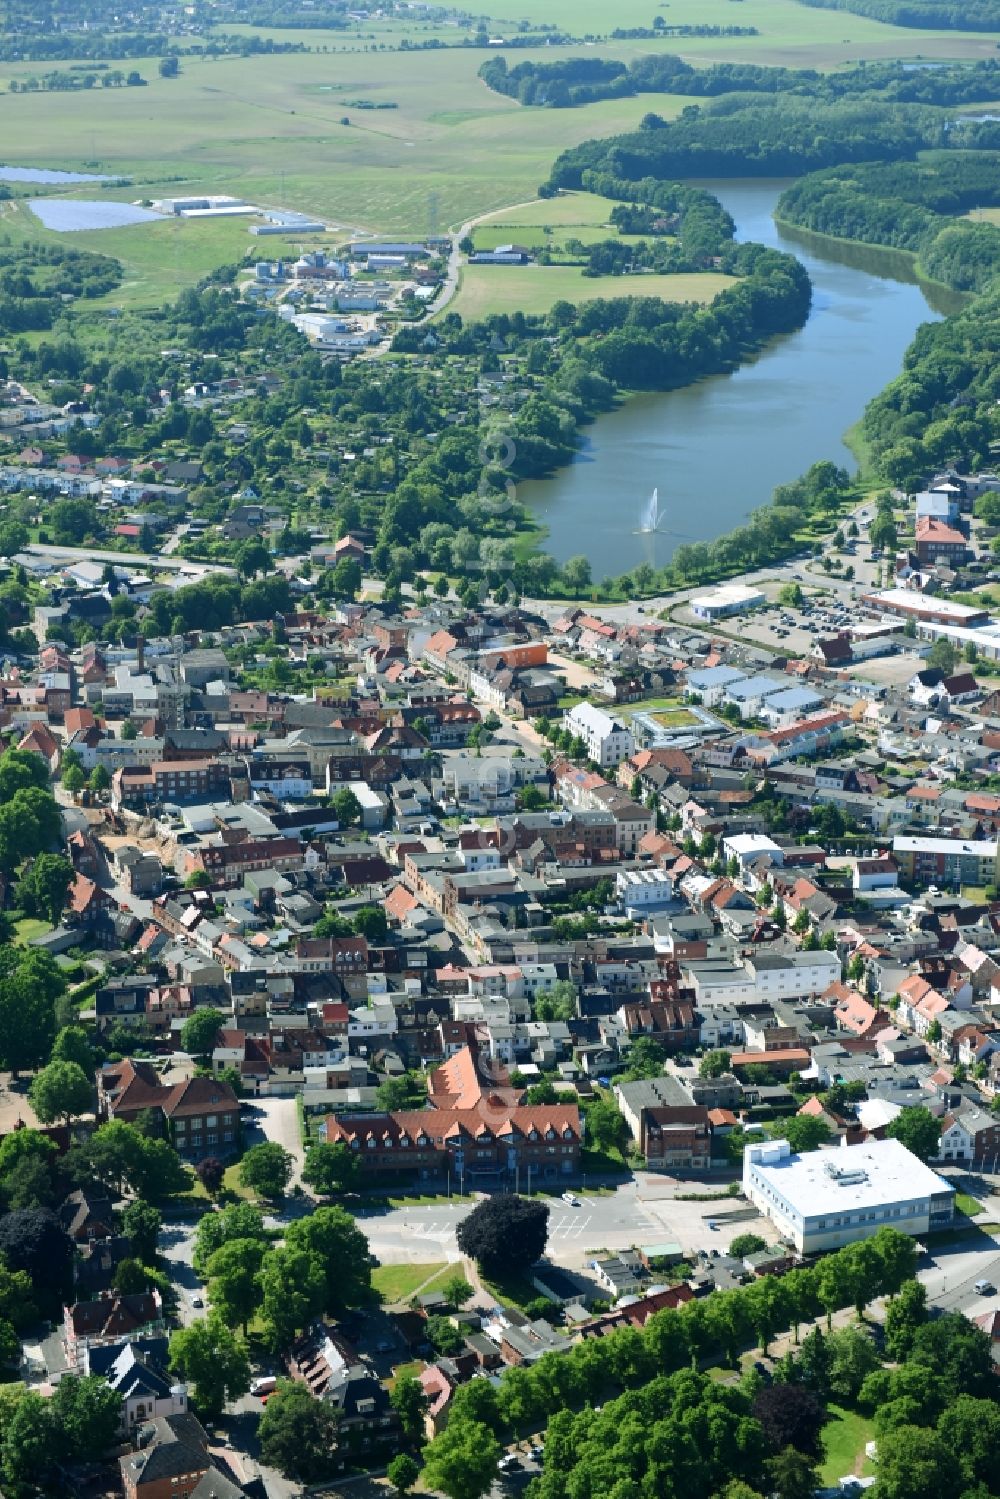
{"points": [[487, 289]]}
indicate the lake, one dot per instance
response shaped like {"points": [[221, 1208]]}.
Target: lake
{"points": [[50, 179], [716, 450], [68, 215]]}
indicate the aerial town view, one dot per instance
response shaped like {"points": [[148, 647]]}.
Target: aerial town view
{"points": [[500, 749]]}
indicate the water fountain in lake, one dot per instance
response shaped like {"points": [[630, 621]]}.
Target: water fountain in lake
{"points": [[649, 521]]}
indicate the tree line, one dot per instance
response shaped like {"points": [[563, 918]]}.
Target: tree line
{"points": [[936, 15], [574, 81]]}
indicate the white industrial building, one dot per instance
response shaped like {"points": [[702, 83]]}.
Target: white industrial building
{"points": [[828, 1198]]}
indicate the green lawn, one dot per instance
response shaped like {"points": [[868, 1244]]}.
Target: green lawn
{"points": [[970, 1206], [29, 927], [488, 289], [514, 1289], [844, 1437], [400, 1282]]}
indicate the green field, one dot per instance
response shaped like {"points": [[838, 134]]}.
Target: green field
{"points": [[399, 1282], [844, 1437], [535, 288]]}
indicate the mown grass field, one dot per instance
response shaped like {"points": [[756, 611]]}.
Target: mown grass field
{"points": [[844, 1437], [399, 1282], [535, 288]]}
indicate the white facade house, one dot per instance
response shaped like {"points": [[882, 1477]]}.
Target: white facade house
{"points": [[766, 976], [828, 1198], [642, 890], [747, 847], [607, 739]]}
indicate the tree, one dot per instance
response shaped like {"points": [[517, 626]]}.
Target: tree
{"points": [[87, 1413], [714, 1063], [30, 983], [791, 1415], [505, 1235], [790, 596], [409, 1402], [462, 1460], [745, 1244], [16, 1306], [100, 780], [557, 1002], [213, 1360], [331, 1168], [141, 1223], [942, 656], [60, 1091], [211, 1172], [444, 1336], [41, 890], [32, 1240], [392, 1094], [240, 1220], [73, 1045], [904, 1314], [266, 1169], [234, 1287], [298, 1433], [198, 879], [792, 1475], [918, 1130], [853, 1357], [200, 1031], [645, 1058], [803, 1132], [403, 1473], [882, 532], [915, 1463], [456, 1290], [30, 1442], [371, 922], [606, 1127], [347, 807], [332, 1235], [293, 1285], [73, 780]]}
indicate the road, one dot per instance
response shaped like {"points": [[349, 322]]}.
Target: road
{"points": [[176, 1243], [278, 1121], [449, 285]]}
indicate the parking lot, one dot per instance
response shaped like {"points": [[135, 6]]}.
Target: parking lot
{"points": [[642, 1211]]}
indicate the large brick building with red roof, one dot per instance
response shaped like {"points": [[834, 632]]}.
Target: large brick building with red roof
{"points": [[475, 1126]]}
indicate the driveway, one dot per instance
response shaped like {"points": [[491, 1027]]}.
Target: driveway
{"points": [[278, 1121]]}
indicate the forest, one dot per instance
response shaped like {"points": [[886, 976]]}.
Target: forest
{"points": [[580, 80], [910, 206], [935, 15], [941, 407], [34, 278], [741, 135]]}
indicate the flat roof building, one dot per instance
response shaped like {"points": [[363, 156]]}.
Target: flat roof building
{"points": [[828, 1198], [731, 598]]}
